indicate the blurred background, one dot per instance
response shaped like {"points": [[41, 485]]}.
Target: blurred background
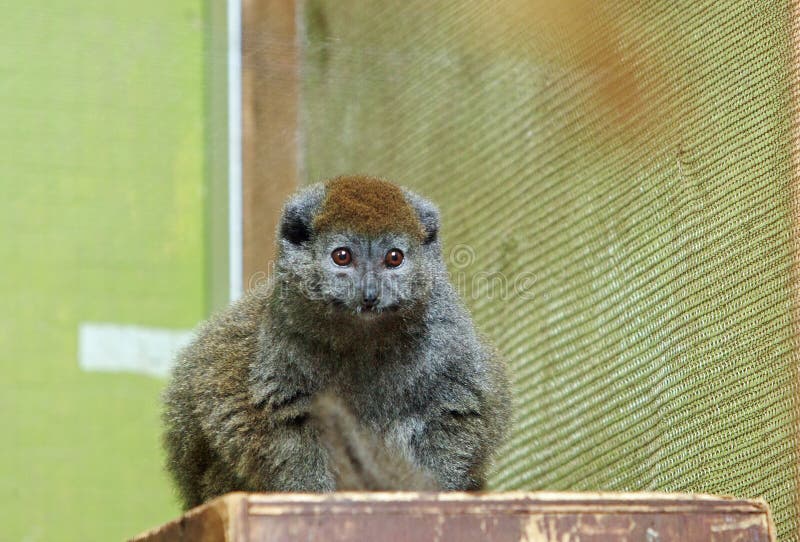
{"points": [[103, 142], [617, 183]]}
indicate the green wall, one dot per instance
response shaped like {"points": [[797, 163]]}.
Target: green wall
{"points": [[101, 219]]}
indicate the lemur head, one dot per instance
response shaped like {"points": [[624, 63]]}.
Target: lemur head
{"points": [[361, 246]]}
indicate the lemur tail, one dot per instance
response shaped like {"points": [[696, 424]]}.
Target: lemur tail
{"points": [[360, 462]]}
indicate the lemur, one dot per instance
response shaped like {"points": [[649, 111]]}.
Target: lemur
{"points": [[355, 367]]}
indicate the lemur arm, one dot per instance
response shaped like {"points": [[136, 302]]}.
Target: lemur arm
{"points": [[271, 444]]}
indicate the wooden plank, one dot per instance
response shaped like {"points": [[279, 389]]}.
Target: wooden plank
{"points": [[269, 126], [220, 520], [465, 517]]}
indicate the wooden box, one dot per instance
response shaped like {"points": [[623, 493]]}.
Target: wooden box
{"points": [[466, 517]]}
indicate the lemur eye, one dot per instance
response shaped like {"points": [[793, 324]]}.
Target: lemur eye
{"points": [[341, 256], [394, 257]]}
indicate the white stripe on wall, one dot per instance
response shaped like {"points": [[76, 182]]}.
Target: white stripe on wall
{"points": [[235, 147], [133, 349]]}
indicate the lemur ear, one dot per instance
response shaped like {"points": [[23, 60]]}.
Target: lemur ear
{"points": [[295, 227], [298, 214], [428, 215]]}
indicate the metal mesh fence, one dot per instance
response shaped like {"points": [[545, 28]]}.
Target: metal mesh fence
{"points": [[615, 181]]}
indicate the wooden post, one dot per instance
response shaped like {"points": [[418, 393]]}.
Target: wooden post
{"points": [[269, 126]]}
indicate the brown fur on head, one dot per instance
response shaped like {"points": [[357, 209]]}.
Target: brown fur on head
{"points": [[367, 205]]}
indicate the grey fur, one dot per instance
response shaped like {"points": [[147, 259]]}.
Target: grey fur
{"points": [[359, 460], [412, 371]]}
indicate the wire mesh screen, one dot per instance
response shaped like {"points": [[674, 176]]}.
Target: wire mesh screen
{"points": [[615, 186]]}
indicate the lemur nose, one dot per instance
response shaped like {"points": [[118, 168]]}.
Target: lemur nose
{"points": [[370, 298]]}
